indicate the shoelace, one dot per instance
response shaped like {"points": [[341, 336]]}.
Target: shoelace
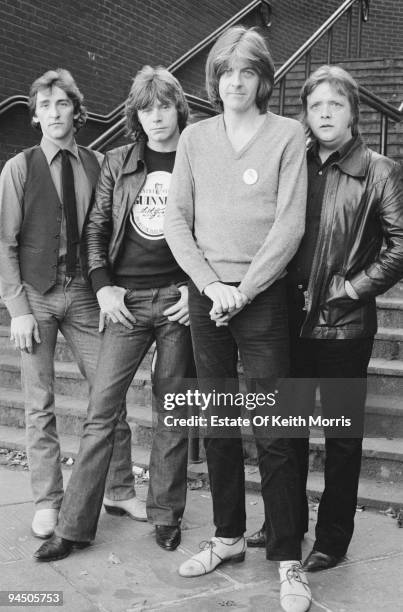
{"points": [[295, 572], [207, 544]]}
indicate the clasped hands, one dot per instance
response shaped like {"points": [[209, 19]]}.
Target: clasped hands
{"points": [[227, 300]]}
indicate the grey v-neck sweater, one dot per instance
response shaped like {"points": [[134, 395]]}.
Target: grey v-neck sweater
{"points": [[237, 216]]}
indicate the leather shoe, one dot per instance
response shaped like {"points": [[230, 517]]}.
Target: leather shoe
{"points": [[44, 522], [134, 508], [57, 548], [257, 539], [168, 537], [317, 561]]}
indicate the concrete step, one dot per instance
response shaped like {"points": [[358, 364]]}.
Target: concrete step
{"points": [[388, 344], [384, 414], [69, 380], [62, 352], [71, 413], [395, 292], [379, 493], [390, 312], [383, 459], [385, 377]]}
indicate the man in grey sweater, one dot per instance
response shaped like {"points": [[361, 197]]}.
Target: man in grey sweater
{"points": [[234, 220]]}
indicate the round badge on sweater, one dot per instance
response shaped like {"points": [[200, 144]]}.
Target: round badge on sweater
{"points": [[250, 176]]}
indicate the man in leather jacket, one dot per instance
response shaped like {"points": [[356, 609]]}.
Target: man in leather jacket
{"points": [[352, 251], [142, 293]]}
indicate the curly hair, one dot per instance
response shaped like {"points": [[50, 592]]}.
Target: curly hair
{"points": [[151, 84], [240, 43], [342, 82], [63, 79]]}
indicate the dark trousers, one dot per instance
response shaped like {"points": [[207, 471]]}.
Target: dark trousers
{"points": [[325, 360], [260, 334]]}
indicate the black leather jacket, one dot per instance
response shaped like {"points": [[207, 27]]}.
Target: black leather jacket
{"points": [[122, 177], [360, 239]]}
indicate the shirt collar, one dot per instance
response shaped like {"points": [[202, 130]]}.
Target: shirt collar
{"points": [[51, 149], [349, 158]]}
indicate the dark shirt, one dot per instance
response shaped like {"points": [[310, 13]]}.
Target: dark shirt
{"points": [[300, 267], [145, 260]]}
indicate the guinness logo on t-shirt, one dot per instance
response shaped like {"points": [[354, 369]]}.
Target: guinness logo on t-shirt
{"points": [[147, 214]]}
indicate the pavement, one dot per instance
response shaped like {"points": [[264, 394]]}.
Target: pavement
{"points": [[125, 571]]}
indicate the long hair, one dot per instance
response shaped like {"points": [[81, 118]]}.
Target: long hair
{"points": [[342, 82], [63, 79], [151, 84], [246, 44]]}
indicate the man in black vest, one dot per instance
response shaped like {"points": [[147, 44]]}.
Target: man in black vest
{"points": [[45, 193]]}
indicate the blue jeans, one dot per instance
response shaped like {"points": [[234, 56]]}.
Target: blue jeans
{"points": [[73, 309], [260, 334], [121, 353]]}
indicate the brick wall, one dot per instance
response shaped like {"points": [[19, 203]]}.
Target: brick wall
{"points": [[102, 42], [293, 21]]}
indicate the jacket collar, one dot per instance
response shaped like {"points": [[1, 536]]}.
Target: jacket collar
{"points": [[135, 157], [355, 161]]}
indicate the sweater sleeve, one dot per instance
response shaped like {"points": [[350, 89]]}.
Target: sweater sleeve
{"points": [[179, 220], [282, 241]]}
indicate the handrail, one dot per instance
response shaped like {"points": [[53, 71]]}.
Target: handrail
{"points": [[311, 42], [386, 110], [379, 104], [20, 100], [203, 44], [115, 113], [118, 128], [249, 8]]}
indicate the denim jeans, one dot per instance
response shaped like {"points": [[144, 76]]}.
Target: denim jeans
{"points": [[260, 334], [121, 353], [316, 363], [73, 309]]}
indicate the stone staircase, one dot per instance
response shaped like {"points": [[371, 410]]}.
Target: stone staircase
{"points": [[382, 467]]}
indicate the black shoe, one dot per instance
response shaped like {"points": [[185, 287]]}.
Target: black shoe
{"points": [[317, 561], [168, 536], [257, 539], [57, 548]]}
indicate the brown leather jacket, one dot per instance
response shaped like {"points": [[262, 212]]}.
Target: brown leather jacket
{"points": [[122, 177], [360, 239]]}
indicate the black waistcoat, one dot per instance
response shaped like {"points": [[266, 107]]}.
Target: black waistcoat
{"points": [[42, 215]]}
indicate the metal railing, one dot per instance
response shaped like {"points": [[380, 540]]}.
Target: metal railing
{"points": [[117, 129], [387, 111]]}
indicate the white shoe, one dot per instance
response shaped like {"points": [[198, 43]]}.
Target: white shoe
{"points": [[133, 507], [295, 594], [212, 554], [44, 522]]}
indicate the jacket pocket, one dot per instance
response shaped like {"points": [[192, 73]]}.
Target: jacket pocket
{"points": [[337, 307]]}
